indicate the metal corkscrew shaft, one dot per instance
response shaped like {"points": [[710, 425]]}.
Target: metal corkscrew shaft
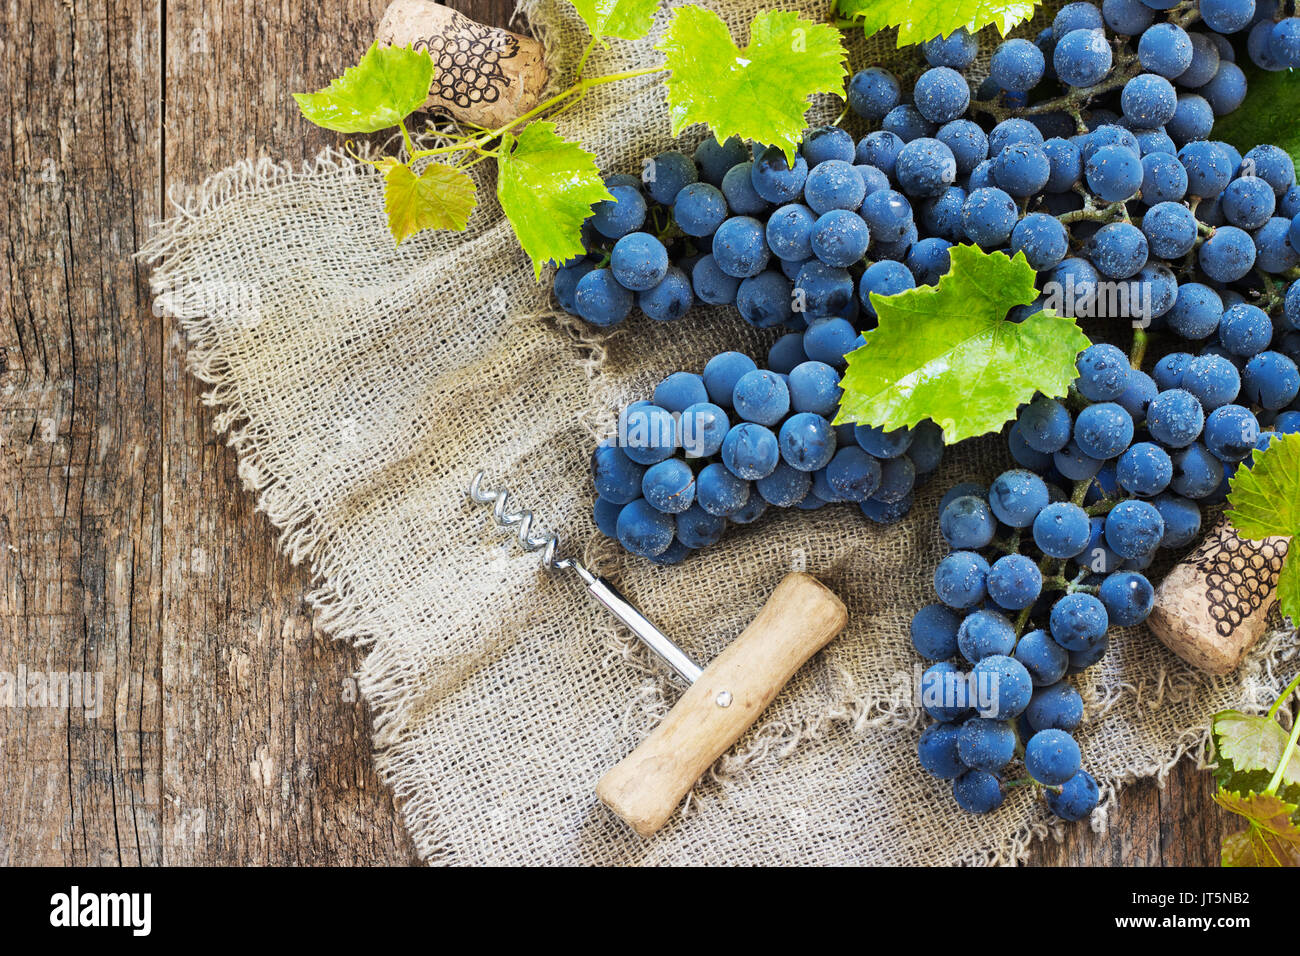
{"points": [[659, 643]]}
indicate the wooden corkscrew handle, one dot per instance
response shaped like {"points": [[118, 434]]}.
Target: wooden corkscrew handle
{"points": [[1212, 608], [800, 618]]}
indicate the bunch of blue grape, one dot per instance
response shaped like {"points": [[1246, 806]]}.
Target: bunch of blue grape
{"points": [[725, 445], [1124, 100], [1051, 556]]}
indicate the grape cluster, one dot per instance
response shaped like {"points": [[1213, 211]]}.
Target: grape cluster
{"points": [[1050, 556], [724, 445]]}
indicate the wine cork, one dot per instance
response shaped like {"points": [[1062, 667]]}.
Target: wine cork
{"points": [[482, 75], [1213, 607]]}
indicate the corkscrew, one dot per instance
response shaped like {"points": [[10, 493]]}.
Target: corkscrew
{"points": [[656, 640], [721, 700]]}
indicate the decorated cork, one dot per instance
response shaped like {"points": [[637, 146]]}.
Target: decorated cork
{"points": [[482, 75], [1213, 607]]}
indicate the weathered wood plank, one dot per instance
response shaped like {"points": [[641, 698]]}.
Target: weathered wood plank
{"points": [[80, 509]]}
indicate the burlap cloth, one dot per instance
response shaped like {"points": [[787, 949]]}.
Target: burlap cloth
{"points": [[363, 385]]}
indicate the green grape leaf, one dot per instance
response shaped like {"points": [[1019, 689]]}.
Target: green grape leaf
{"points": [[547, 186], [1272, 838], [625, 19], [1264, 501], [385, 87], [949, 354], [1247, 744], [921, 20], [1267, 114], [441, 197], [760, 92]]}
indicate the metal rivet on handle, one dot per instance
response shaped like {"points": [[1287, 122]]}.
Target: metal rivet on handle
{"points": [[723, 699]]}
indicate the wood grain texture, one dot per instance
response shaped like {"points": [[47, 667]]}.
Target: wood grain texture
{"points": [[128, 546]]}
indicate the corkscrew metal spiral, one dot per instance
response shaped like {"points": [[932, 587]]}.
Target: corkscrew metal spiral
{"points": [[522, 521]]}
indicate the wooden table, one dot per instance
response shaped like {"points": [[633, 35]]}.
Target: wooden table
{"points": [[231, 732]]}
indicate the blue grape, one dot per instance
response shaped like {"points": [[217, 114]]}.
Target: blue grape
{"points": [[605, 514], [1175, 418], [1273, 252], [722, 372], [1182, 520], [647, 433], [1114, 173], [814, 387], [907, 123], [984, 744], [1078, 622], [1010, 683], [1165, 49], [1127, 17], [1045, 425], [1271, 380], [1209, 168], [929, 260], [700, 209], [967, 523], [1044, 659], [926, 452], [1052, 757], [669, 299], [644, 530], [937, 751], [1065, 163], [941, 94], [616, 476], [1082, 57], [934, 632], [1014, 582], [785, 486], [826, 144], [1118, 250], [764, 300], [853, 474], [1149, 101], [703, 428], [1103, 430], [1164, 181], [789, 232], [1128, 597], [1273, 165], [880, 149], [1198, 310], [1134, 528], [669, 486], [719, 492], [750, 451], [679, 391], [1145, 469], [715, 159], [600, 299], [885, 279], [1017, 497], [667, 174], [775, 179], [968, 142], [941, 215], [840, 238], [887, 214], [960, 490], [834, 185], [751, 512], [1230, 435], [1022, 169], [1226, 89], [882, 444], [1204, 64], [1284, 42], [761, 396], [1062, 530], [1017, 65], [566, 284], [897, 479], [977, 791], [829, 340], [807, 441], [738, 189], [1168, 371], [740, 247], [697, 528], [983, 634], [1077, 797], [1227, 16], [872, 93], [1075, 16], [989, 216], [1138, 392], [1057, 706], [961, 579], [1212, 379], [1103, 373], [1197, 472], [711, 285], [957, 50], [625, 213], [1248, 202], [1244, 329], [1074, 464], [1012, 131], [925, 167]]}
